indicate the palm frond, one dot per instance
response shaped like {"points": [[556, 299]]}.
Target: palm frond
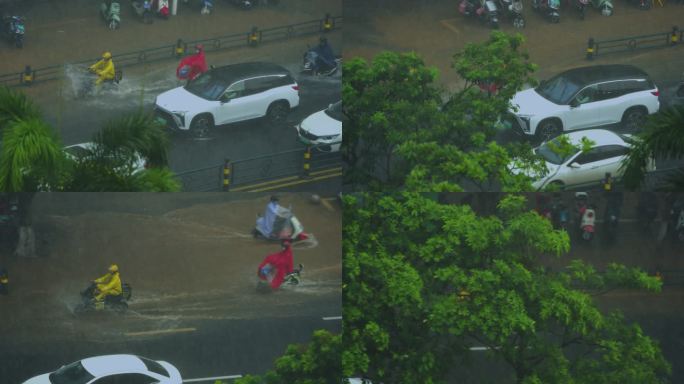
{"points": [[137, 132], [14, 106], [157, 180]]}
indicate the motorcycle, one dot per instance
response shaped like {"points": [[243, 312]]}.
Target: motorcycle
{"points": [[581, 6], [14, 27], [207, 7], [162, 8], [612, 214], [513, 10], [87, 82], [647, 210], [605, 6], [677, 220], [586, 216], [549, 8], [485, 10], [279, 225], [309, 63], [644, 4], [560, 214], [243, 4], [118, 303], [111, 12], [143, 9]]}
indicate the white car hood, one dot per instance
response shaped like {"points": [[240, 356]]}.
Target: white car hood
{"points": [[529, 102], [178, 99], [320, 124], [536, 182], [42, 379]]}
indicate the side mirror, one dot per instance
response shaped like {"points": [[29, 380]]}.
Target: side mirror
{"points": [[574, 165], [574, 103]]}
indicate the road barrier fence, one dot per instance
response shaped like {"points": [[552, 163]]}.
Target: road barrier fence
{"points": [[235, 173], [253, 37], [670, 38]]}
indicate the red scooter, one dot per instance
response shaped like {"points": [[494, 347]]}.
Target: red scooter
{"points": [[587, 216]]}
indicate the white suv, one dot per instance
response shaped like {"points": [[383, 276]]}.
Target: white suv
{"points": [[583, 98], [230, 94]]}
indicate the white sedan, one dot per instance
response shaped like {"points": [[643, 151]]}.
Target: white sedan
{"points": [[77, 152], [582, 168], [112, 369], [323, 127]]}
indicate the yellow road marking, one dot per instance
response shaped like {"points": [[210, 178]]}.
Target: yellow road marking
{"points": [[279, 181], [160, 331], [451, 27], [303, 181], [327, 205]]}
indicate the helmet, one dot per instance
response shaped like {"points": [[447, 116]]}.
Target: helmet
{"points": [[199, 47], [107, 55], [113, 268]]}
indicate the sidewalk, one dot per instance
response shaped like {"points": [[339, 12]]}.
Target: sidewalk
{"points": [[72, 30]]}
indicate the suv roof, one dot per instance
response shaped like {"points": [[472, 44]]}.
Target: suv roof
{"points": [[596, 73], [233, 72]]}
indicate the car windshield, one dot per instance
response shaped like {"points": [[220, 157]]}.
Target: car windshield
{"points": [[559, 89], [207, 86], [547, 153], [73, 373], [335, 111]]}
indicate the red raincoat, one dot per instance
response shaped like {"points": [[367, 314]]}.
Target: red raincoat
{"points": [[197, 64], [282, 262]]}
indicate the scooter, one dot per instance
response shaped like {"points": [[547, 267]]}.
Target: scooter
{"points": [[485, 10], [560, 214], [284, 226], [14, 27], [548, 8], [647, 210], [87, 85], [605, 6], [111, 14], [513, 10], [143, 9], [581, 6], [118, 303], [677, 220], [163, 8], [243, 4], [309, 63], [587, 216]]}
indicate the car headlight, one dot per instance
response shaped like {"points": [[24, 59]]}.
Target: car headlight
{"points": [[526, 121], [180, 117]]}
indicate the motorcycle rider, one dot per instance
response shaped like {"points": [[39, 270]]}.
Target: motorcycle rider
{"points": [[275, 266], [326, 57], [109, 284], [265, 222], [192, 66], [104, 69]]}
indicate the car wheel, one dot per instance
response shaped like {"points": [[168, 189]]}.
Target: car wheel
{"points": [[201, 126], [633, 118], [548, 129], [277, 112]]}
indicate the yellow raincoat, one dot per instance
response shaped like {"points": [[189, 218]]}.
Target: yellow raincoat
{"points": [[109, 284], [104, 70]]}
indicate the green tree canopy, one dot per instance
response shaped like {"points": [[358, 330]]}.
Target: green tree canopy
{"points": [[424, 281], [319, 362]]}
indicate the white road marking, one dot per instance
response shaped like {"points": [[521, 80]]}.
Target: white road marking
{"points": [[159, 331], [333, 318], [479, 348], [213, 378]]}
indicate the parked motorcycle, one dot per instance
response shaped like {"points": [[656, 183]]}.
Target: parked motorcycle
{"points": [[111, 12], [279, 225], [643, 4], [559, 213], [143, 9], [309, 63], [647, 210], [207, 7], [548, 8], [117, 303], [586, 216], [485, 10], [513, 10], [13, 26], [581, 6], [243, 4], [612, 214], [605, 6], [676, 222]]}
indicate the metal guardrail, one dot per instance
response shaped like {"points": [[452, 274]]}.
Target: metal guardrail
{"points": [[633, 43], [259, 169], [254, 37]]}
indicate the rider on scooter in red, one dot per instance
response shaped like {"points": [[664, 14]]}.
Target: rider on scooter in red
{"points": [[275, 266]]}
